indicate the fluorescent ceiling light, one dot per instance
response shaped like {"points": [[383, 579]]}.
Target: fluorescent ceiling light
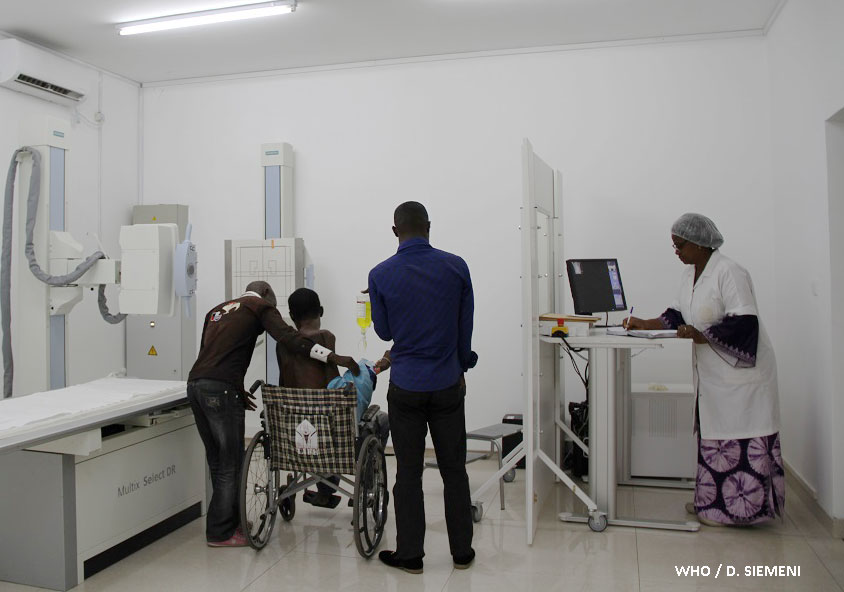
{"points": [[207, 17]]}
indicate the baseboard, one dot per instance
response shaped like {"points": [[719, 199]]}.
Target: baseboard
{"points": [[834, 526], [123, 549]]}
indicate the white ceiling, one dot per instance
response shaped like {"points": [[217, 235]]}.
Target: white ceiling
{"points": [[323, 32]]}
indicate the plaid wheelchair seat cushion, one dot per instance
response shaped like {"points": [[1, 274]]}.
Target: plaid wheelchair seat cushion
{"points": [[311, 430]]}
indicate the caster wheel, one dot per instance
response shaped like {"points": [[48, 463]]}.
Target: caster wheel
{"points": [[599, 523], [510, 476], [287, 506], [477, 511]]}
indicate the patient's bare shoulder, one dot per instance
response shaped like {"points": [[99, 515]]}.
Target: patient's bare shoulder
{"points": [[328, 339]]}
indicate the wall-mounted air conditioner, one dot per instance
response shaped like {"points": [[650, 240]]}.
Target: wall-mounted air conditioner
{"points": [[27, 69]]}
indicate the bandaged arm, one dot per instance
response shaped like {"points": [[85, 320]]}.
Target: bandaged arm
{"points": [[321, 353]]}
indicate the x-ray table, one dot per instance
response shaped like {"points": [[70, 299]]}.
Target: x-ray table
{"points": [[72, 500]]}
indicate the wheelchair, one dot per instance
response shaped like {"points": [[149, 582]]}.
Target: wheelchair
{"points": [[312, 434]]}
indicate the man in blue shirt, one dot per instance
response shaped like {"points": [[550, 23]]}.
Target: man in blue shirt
{"points": [[422, 301]]}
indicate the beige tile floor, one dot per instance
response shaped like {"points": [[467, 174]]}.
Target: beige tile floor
{"points": [[316, 552]]}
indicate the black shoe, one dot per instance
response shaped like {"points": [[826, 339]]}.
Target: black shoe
{"points": [[464, 561], [413, 566], [321, 500]]}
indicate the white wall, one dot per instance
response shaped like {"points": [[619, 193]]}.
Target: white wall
{"points": [[101, 187], [641, 134], [835, 169], [807, 88]]}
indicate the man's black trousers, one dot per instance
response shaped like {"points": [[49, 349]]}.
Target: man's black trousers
{"points": [[411, 414]]}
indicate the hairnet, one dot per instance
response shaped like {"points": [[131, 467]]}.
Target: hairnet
{"points": [[698, 229]]}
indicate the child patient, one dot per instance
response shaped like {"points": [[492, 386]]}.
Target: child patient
{"points": [[298, 371]]}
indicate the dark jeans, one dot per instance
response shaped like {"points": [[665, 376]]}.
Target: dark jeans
{"points": [[219, 415], [411, 413]]}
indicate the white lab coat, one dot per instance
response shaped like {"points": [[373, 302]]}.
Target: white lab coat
{"points": [[733, 402]]}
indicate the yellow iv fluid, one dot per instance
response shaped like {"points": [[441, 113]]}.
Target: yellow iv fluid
{"points": [[364, 317]]}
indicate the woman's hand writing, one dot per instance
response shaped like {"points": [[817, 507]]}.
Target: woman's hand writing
{"points": [[632, 323]]}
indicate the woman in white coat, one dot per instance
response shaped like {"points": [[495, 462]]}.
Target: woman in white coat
{"points": [[740, 478]]}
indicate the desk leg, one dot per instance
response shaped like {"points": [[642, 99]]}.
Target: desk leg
{"points": [[591, 398], [609, 399], [601, 417]]}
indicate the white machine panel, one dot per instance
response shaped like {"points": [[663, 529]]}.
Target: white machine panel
{"points": [[158, 346], [662, 440], [136, 487], [147, 268], [277, 261]]}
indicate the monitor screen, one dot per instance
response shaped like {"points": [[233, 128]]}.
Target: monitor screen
{"points": [[595, 285]]}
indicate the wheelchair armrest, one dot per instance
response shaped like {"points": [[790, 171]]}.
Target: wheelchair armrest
{"points": [[370, 413]]}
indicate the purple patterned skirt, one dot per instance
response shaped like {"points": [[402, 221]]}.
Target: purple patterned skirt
{"points": [[740, 481]]}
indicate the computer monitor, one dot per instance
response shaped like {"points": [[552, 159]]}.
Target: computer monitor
{"points": [[595, 285]]}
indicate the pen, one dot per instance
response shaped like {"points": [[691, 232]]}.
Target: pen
{"points": [[629, 317]]}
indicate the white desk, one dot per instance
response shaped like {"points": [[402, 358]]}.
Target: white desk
{"points": [[609, 382]]}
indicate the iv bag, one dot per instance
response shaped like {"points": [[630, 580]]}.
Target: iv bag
{"points": [[364, 317]]}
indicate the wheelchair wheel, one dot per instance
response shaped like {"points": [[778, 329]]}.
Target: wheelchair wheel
{"points": [[370, 498], [259, 487]]}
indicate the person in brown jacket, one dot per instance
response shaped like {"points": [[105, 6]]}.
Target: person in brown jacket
{"points": [[219, 401]]}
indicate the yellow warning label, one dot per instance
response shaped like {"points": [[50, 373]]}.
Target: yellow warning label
{"points": [[152, 351]]}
